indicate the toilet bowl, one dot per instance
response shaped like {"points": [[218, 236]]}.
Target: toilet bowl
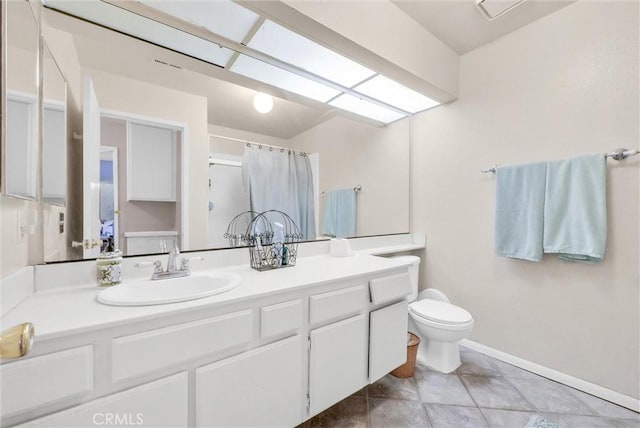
{"points": [[439, 324]]}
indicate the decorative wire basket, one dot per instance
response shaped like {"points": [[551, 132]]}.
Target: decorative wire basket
{"points": [[237, 229], [273, 239]]}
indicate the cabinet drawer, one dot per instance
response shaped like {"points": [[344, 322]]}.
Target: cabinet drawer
{"points": [[152, 350], [336, 304], [389, 288], [45, 379], [160, 403], [280, 319]]}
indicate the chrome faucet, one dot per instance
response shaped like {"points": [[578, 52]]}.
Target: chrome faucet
{"points": [[172, 270]]}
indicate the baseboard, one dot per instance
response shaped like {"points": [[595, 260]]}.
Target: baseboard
{"points": [[574, 382]]}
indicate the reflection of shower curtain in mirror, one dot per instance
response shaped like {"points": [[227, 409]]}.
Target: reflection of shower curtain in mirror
{"points": [[282, 181]]}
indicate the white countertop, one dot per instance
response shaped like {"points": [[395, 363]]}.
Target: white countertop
{"points": [[75, 310]]}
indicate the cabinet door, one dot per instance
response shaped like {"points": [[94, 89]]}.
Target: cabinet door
{"points": [[151, 163], [337, 362], [259, 388], [162, 403], [388, 339]]}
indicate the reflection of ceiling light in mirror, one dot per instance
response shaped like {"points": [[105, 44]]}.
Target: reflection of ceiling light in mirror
{"points": [[143, 28], [366, 108], [491, 9], [392, 93], [231, 20], [262, 102], [272, 75], [292, 48]]}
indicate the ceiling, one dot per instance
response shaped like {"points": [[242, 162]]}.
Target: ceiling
{"points": [[457, 23], [461, 26]]}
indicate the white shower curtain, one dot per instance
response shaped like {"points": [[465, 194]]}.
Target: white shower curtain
{"points": [[281, 180]]}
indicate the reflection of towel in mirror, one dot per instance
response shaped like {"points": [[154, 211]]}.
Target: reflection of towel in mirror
{"points": [[575, 212], [339, 219]]}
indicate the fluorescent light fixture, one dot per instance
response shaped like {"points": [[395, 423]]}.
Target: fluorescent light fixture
{"points": [[491, 9], [366, 108], [287, 46], [263, 103], [143, 28], [391, 92], [272, 75], [222, 17]]}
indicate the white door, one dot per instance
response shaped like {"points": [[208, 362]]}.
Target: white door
{"points": [[90, 172], [337, 362], [227, 199]]}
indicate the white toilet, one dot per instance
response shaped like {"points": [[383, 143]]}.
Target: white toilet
{"points": [[438, 323]]}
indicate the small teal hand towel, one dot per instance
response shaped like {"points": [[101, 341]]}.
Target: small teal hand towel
{"points": [[575, 213], [519, 211], [339, 219]]}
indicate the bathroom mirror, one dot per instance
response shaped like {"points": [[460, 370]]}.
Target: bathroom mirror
{"points": [[204, 112], [21, 101], [54, 131]]}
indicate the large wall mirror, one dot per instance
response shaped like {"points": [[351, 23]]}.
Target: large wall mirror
{"points": [[21, 101], [165, 137]]}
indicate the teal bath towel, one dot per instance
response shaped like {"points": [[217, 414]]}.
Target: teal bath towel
{"points": [[519, 211], [339, 219], [575, 212]]}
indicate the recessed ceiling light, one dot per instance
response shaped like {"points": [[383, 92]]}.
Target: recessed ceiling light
{"points": [[366, 108], [391, 92], [292, 48]]}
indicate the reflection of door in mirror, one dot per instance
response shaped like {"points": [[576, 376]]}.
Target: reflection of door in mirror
{"points": [[109, 197], [20, 157], [227, 196]]}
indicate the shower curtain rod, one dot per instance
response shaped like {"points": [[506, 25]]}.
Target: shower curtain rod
{"points": [[260, 145], [618, 154]]}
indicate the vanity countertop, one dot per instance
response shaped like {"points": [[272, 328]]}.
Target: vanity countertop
{"points": [[75, 310]]}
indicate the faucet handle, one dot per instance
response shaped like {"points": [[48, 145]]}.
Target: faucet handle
{"points": [[186, 262], [157, 265]]}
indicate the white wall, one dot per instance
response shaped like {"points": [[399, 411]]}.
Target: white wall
{"points": [[352, 153], [562, 86]]}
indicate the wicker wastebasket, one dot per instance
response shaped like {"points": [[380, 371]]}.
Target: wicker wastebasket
{"points": [[409, 368]]}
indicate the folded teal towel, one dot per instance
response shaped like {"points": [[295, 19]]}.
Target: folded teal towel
{"points": [[339, 219], [519, 211], [575, 211]]}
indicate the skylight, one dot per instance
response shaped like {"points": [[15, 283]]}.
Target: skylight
{"points": [[366, 108], [144, 28], [272, 75], [391, 92], [231, 20], [287, 46]]}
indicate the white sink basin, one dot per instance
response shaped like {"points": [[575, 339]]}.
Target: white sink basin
{"points": [[173, 290]]}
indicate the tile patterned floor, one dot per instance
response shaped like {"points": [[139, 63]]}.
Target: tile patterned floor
{"points": [[482, 392]]}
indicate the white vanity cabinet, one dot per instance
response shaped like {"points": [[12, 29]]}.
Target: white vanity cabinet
{"points": [[265, 360], [259, 388], [388, 324]]}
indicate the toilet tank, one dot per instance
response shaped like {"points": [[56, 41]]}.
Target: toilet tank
{"points": [[414, 271]]}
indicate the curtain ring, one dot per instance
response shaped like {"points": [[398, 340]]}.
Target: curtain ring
{"points": [[260, 146], [248, 144], [270, 149], [281, 150]]}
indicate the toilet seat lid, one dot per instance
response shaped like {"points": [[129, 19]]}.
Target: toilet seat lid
{"points": [[440, 312]]}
